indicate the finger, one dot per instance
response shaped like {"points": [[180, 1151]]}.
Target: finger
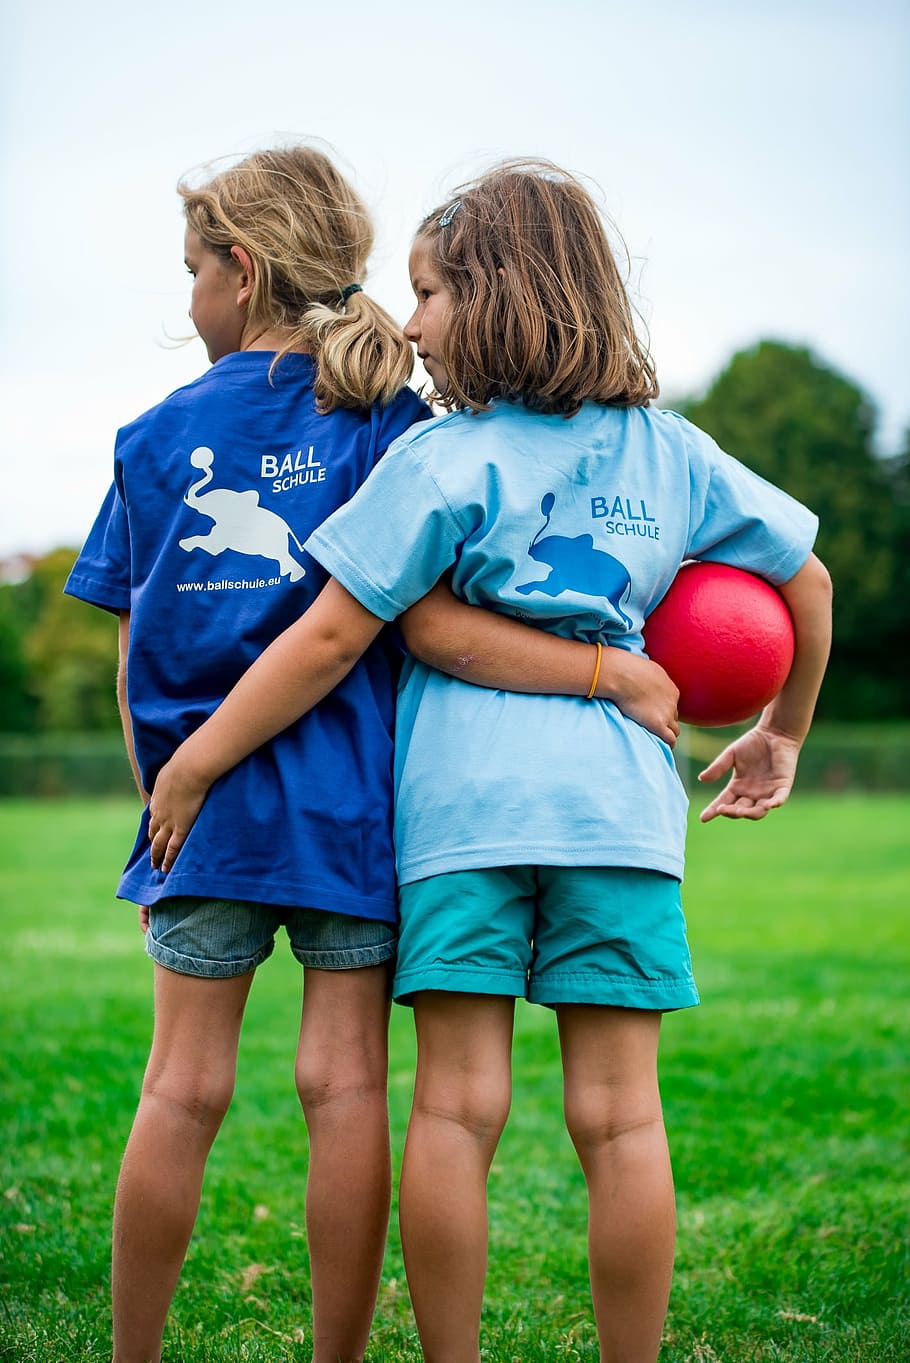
{"points": [[161, 844], [175, 843], [743, 809], [721, 764]]}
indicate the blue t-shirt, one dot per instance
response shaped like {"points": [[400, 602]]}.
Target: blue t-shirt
{"points": [[577, 526], [200, 539]]}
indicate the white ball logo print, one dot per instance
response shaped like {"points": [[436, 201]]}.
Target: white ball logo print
{"points": [[241, 523]]}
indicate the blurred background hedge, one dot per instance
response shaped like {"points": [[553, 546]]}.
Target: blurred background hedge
{"points": [[837, 757]]}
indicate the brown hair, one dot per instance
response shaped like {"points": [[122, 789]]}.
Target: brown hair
{"points": [[540, 313], [309, 236]]}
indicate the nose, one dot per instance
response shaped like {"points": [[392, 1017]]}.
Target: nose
{"points": [[412, 326]]}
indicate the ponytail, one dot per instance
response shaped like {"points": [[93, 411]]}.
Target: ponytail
{"points": [[361, 356]]}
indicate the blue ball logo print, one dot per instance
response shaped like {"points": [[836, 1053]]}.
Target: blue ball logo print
{"points": [[577, 566]]}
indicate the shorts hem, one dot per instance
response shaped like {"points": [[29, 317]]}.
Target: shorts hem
{"points": [[201, 968], [457, 980], [350, 958], [654, 995]]}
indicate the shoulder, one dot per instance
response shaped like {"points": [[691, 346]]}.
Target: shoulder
{"points": [[404, 411], [680, 428], [407, 405], [391, 421], [169, 408], [433, 437]]}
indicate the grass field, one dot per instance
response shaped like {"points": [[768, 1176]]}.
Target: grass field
{"points": [[786, 1097]]}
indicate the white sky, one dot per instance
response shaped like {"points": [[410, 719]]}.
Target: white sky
{"points": [[754, 154]]}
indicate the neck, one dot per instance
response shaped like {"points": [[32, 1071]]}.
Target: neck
{"points": [[270, 338]]}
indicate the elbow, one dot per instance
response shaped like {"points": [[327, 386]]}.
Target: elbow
{"points": [[821, 582], [811, 585], [436, 649], [421, 639], [413, 633]]}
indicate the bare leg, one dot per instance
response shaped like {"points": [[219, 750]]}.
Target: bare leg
{"points": [[614, 1117], [461, 1100], [342, 1071], [187, 1088]]}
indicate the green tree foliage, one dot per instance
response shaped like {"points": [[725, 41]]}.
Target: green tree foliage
{"points": [[18, 705], [58, 657], [802, 425]]}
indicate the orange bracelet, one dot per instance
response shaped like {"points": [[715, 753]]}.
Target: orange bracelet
{"points": [[600, 652]]}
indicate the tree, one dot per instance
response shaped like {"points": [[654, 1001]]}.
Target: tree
{"points": [[17, 703], [802, 425], [58, 658]]}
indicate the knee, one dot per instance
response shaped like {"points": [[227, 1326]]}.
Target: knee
{"points": [[595, 1119], [203, 1098], [326, 1082], [477, 1105]]}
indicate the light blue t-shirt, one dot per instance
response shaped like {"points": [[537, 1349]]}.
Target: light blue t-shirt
{"points": [[577, 526]]}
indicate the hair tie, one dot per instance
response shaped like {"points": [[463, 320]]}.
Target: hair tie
{"points": [[449, 214], [351, 288]]}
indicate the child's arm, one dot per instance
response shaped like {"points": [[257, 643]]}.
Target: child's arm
{"points": [[127, 725], [123, 705], [303, 664], [488, 649], [763, 761]]}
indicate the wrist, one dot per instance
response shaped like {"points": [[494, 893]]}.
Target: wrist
{"points": [[613, 677], [595, 676], [781, 732], [194, 763]]}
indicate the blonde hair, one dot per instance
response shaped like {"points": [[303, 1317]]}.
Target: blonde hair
{"points": [[308, 235], [540, 312]]}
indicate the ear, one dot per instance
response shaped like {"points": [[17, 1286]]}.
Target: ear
{"points": [[247, 274]]}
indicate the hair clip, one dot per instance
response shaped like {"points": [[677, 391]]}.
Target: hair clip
{"points": [[351, 288], [449, 214]]}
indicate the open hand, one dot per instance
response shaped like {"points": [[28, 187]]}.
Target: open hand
{"points": [[763, 764]]}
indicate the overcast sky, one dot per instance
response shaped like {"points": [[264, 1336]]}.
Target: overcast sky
{"points": [[753, 154]]}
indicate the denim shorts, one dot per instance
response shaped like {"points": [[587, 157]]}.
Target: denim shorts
{"points": [[218, 938], [551, 934]]}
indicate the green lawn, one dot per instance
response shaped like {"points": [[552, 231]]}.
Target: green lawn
{"points": [[786, 1098]]}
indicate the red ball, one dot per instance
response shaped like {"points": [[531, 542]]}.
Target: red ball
{"points": [[726, 638]]}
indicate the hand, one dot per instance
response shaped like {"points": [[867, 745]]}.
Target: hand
{"points": [[763, 762], [642, 690], [144, 917], [176, 800]]}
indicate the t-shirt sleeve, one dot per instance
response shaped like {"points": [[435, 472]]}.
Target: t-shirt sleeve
{"points": [[738, 517], [394, 539], [101, 573]]}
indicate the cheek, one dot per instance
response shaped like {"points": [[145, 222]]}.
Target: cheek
{"points": [[440, 322]]}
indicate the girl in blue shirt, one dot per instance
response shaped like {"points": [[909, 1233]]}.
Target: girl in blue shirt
{"points": [[539, 839]]}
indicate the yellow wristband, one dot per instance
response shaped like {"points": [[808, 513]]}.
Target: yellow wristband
{"points": [[600, 652]]}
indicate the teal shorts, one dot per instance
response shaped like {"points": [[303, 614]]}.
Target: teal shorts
{"points": [[551, 934]]}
